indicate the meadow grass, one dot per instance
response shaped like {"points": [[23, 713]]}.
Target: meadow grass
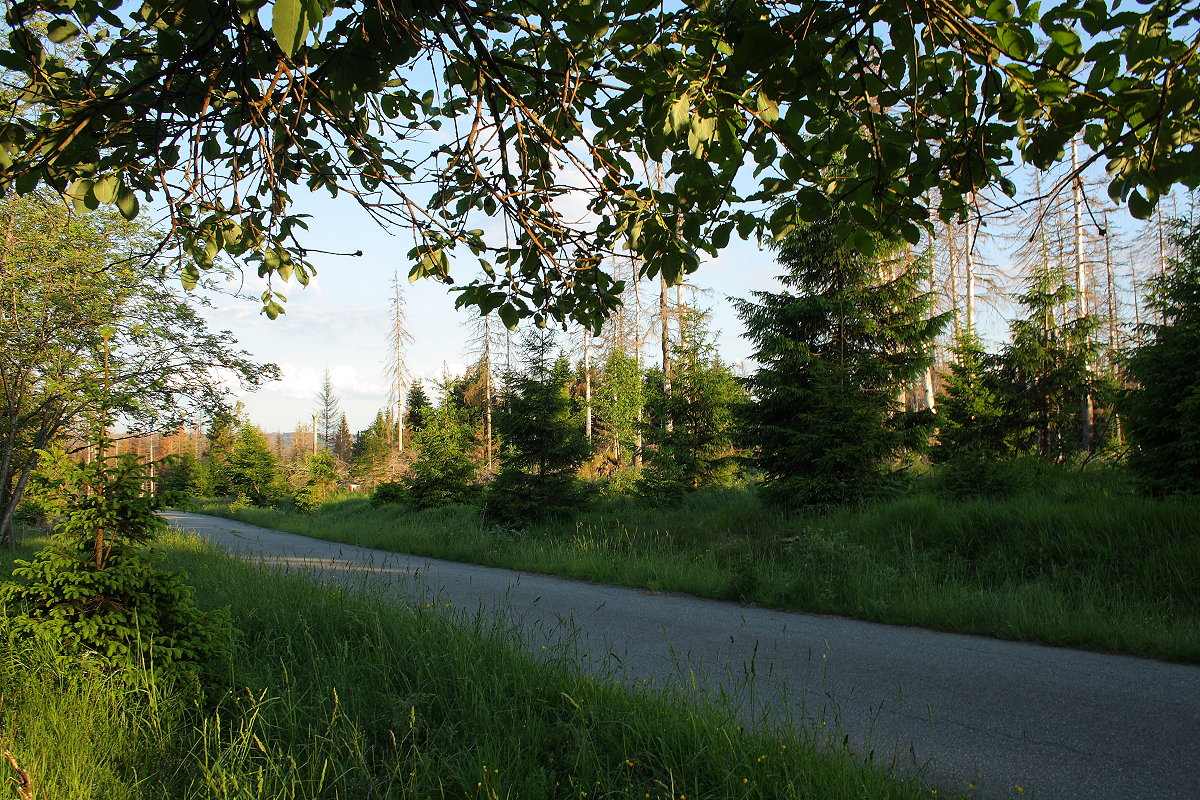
{"points": [[332, 693], [1074, 558]]}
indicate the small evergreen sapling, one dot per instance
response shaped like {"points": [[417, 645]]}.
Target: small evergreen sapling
{"points": [[95, 591]]}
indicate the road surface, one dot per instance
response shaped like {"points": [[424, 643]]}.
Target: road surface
{"points": [[970, 714]]}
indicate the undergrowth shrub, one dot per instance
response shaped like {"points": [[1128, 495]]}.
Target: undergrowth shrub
{"points": [[388, 492], [96, 590]]}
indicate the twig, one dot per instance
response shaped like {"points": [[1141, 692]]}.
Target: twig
{"points": [[23, 781]]}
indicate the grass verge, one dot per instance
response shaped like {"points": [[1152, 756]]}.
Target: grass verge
{"points": [[1078, 561], [330, 693]]}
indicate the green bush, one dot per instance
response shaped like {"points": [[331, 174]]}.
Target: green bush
{"points": [[388, 492], [518, 498]]}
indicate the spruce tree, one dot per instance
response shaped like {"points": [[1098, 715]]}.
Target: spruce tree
{"points": [[444, 472], [372, 450], [972, 423], [691, 430], [618, 403], [252, 470], [1162, 414], [543, 441], [834, 350], [1044, 371], [418, 406]]}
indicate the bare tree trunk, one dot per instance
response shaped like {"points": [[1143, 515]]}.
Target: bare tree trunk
{"points": [[637, 355], [1111, 299], [487, 390], [664, 315], [587, 384], [1087, 408], [952, 282], [969, 262], [396, 367]]}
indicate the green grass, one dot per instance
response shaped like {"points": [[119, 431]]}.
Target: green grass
{"points": [[1074, 559], [331, 693]]}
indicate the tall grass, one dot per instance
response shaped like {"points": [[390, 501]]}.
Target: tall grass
{"points": [[336, 694], [1073, 559]]}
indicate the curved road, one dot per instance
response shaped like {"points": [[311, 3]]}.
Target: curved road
{"points": [[973, 715]]}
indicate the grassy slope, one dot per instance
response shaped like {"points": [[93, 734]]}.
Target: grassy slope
{"points": [[331, 694], [1079, 562]]}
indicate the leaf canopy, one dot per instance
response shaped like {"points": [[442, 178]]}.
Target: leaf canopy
{"points": [[673, 125]]}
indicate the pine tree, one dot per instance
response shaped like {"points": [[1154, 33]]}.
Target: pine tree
{"points": [[618, 402], [372, 449], [418, 406], [252, 470], [971, 420], [343, 441], [217, 451], [1044, 371], [444, 472], [834, 349]]}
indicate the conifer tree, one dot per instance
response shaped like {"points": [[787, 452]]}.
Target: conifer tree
{"points": [[371, 451], [696, 448], [444, 472], [328, 410], [1162, 415], [1044, 371], [343, 441], [834, 349], [618, 401], [971, 418], [252, 470], [418, 406], [544, 442]]}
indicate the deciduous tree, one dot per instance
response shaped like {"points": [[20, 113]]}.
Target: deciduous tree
{"points": [[225, 112], [85, 331]]}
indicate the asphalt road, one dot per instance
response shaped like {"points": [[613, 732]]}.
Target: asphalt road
{"points": [[975, 715]]}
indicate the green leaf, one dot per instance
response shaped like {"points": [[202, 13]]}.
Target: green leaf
{"points": [[681, 114], [61, 30], [289, 24], [704, 128], [190, 277], [1139, 206], [107, 189], [127, 203], [79, 192], [509, 316]]}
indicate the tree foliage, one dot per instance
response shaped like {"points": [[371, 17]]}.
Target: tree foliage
{"points": [[85, 331], [95, 592], [226, 112], [691, 426], [444, 471], [834, 349], [1043, 371], [543, 441], [1162, 412], [972, 422]]}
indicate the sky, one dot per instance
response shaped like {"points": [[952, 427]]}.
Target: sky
{"points": [[341, 320]]}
